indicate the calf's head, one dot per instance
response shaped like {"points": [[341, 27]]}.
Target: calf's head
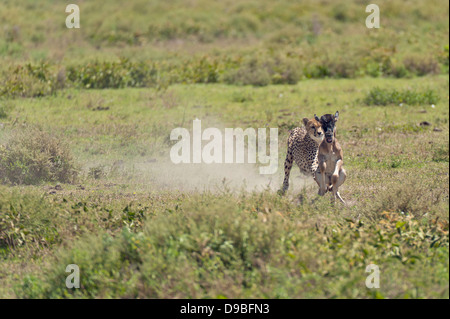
{"points": [[328, 122]]}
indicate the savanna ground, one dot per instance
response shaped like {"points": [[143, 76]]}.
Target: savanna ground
{"points": [[86, 178]]}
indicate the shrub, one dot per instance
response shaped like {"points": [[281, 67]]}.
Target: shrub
{"points": [[198, 245], [200, 70], [32, 156], [264, 70], [342, 68], [3, 113], [25, 219], [29, 81], [243, 23], [444, 59], [101, 75], [399, 71], [210, 247], [338, 68], [251, 72], [378, 96], [421, 65], [410, 197]]}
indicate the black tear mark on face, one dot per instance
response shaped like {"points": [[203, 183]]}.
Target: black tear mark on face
{"points": [[328, 122]]}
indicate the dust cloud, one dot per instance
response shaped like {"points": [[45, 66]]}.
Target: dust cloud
{"points": [[161, 173], [165, 175]]}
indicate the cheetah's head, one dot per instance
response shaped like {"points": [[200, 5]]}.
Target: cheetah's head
{"points": [[328, 122], [314, 129]]}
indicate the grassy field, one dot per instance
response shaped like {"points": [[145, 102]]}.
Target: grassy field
{"points": [[86, 178]]}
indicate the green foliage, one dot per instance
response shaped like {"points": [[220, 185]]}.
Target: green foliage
{"points": [[444, 59], [112, 74], [133, 239], [33, 156], [268, 43], [262, 70], [29, 81], [26, 220], [379, 96], [421, 65], [213, 246], [135, 232], [3, 112], [267, 67], [32, 221]]}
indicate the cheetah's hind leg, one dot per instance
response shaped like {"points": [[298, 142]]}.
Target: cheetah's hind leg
{"points": [[287, 171]]}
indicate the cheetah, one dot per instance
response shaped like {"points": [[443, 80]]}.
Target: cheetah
{"points": [[303, 147]]}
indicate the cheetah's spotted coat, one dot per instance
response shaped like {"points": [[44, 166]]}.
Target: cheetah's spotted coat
{"points": [[303, 147]]}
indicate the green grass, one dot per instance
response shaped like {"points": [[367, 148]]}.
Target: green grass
{"points": [[254, 42], [105, 98], [379, 96], [136, 223], [215, 245]]}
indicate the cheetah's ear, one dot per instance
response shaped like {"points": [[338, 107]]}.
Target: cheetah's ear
{"points": [[316, 118], [336, 116], [305, 121]]}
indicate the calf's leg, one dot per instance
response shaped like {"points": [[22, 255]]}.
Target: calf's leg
{"points": [[337, 179]]}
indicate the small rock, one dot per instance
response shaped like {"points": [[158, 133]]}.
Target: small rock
{"points": [[437, 129], [425, 123]]}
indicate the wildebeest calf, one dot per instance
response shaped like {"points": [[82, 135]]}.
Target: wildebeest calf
{"points": [[330, 174]]}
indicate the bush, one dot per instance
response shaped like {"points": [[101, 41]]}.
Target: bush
{"points": [[421, 65], [33, 156], [215, 247], [187, 253], [200, 70], [399, 71], [251, 68], [26, 219], [378, 96], [265, 70], [337, 68], [101, 75], [29, 81], [444, 59], [3, 113]]}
